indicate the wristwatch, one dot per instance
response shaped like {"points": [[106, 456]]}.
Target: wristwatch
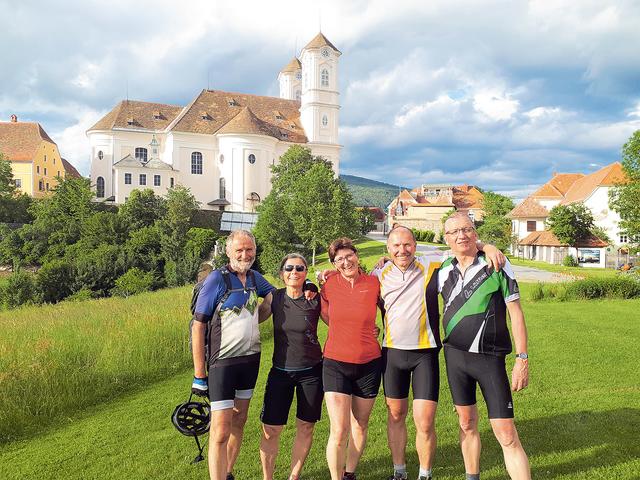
{"points": [[522, 356]]}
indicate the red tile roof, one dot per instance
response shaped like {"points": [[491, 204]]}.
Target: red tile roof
{"points": [[69, 169], [583, 188], [547, 238], [19, 141], [138, 115], [558, 186], [529, 208], [320, 41]]}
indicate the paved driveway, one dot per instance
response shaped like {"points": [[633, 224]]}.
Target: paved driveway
{"points": [[523, 274]]}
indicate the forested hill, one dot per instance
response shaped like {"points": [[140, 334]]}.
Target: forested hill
{"points": [[370, 192]]}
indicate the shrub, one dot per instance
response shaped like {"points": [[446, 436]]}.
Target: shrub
{"points": [[81, 295], [54, 281], [200, 242], [570, 261], [133, 282], [537, 292], [98, 268], [19, 290], [616, 287]]}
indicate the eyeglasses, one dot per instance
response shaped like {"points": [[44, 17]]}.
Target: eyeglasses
{"points": [[348, 258], [465, 230], [298, 268]]}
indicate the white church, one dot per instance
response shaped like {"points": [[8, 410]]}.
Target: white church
{"points": [[222, 144]]}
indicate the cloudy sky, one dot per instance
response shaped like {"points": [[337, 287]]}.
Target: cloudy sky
{"points": [[494, 93]]}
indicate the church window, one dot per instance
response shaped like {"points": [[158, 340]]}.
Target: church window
{"points": [[171, 182], [221, 159], [127, 179], [252, 158], [196, 163], [298, 95], [324, 77], [143, 179], [100, 155], [156, 180], [325, 121], [223, 188], [100, 187], [141, 154]]}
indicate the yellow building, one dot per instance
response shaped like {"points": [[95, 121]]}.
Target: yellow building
{"points": [[35, 159]]}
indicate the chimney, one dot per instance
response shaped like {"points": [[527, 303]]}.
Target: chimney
{"points": [[14, 118]]}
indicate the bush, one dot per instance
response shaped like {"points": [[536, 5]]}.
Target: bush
{"points": [[19, 290], [537, 292], [423, 235], [200, 242], [570, 261], [133, 282], [54, 281], [81, 295], [97, 269]]}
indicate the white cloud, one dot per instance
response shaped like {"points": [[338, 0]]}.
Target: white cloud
{"points": [[495, 106]]}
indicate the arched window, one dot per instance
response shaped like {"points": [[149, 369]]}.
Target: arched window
{"points": [[324, 77], [196, 163], [325, 121], [100, 155], [141, 154], [223, 188], [221, 159], [298, 95], [252, 158], [100, 187]]}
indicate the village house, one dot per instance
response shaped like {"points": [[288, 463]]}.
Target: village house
{"points": [[35, 160], [222, 144], [424, 207], [534, 242]]}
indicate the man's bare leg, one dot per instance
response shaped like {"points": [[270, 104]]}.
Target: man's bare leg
{"points": [[515, 458], [240, 410], [219, 434]]}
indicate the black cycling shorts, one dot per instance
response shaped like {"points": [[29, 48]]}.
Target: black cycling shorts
{"points": [[232, 378], [359, 379], [465, 369], [418, 368], [278, 395]]}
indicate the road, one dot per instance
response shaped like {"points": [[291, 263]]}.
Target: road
{"points": [[523, 274]]}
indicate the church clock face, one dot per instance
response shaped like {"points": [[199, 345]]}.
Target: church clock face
{"points": [[325, 52]]}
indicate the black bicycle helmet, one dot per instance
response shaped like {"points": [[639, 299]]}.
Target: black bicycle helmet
{"points": [[192, 418]]}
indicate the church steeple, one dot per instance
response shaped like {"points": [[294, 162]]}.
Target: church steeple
{"points": [[319, 105], [290, 79]]}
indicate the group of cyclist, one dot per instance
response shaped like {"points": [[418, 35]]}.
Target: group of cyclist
{"points": [[477, 286]]}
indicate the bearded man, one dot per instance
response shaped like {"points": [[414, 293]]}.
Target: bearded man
{"points": [[226, 349]]}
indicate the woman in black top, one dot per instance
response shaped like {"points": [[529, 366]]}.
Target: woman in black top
{"points": [[297, 366]]}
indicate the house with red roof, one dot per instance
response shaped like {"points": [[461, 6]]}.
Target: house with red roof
{"points": [[423, 207], [528, 218], [35, 160]]}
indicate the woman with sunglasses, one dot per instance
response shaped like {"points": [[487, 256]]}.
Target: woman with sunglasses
{"points": [[297, 366]]}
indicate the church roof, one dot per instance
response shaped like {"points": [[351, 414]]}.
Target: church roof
{"points": [[133, 114], [223, 107], [154, 164], [320, 41], [246, 122], [19, 141], [293, 66]]}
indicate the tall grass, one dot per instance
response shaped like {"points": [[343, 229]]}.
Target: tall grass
{"points": [[58, 359]]}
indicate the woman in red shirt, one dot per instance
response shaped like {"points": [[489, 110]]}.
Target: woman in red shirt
{"points": [[352, 365]]}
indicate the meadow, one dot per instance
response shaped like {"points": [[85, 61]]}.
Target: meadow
{"points": [[87, 390]]}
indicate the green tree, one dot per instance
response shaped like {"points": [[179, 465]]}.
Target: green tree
{"points": [[306, 209], [495, 227], [366, 220], [570, 223], [181, 207], [625, 198], [14, 206], [142, 209]]}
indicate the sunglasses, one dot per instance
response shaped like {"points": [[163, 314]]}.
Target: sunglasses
{"points": [[297, 268]]}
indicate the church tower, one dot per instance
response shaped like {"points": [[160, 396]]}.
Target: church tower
{"points": [[290, 79], [319, 104]]}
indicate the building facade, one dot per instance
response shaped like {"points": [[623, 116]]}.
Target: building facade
{"points": [[222, 144], [35, 160], [528, 218], [424, 207]]}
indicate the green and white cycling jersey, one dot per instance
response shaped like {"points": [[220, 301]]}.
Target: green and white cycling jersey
{"points": [[475, 312]]}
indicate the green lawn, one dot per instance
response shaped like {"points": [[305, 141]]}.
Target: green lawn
{"points": [[579, 418]]}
